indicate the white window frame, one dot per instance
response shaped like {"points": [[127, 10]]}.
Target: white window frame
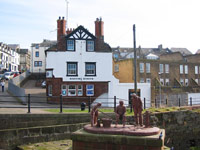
{"points": [[90, 69], [148, 80], [182, 81], [162, 81], [70, 45], [141, 80], [186, 82], [197, 81], [71, 89], [166, 68], [50, 90], [196, 70], [49, 73], [141, 67], [167, 82], [90, 46], [91, 89], [64, 90], [148, 67], [186, 69], [161, 68], [181, 69], [199, 69], [116, 68], [80, 90], [70, 70]]}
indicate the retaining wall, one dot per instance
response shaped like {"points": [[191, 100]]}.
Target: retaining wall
{"points": [[182, 127]]}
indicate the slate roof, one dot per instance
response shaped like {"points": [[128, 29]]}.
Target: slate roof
{"points": [[141, 52], [45, 43], [183, 51]]}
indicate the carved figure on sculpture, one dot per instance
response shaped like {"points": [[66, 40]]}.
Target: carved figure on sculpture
{"points": [[137, 108], [94, 114], [120, 113]]}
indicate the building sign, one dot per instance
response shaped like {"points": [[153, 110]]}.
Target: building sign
{"points": [[82, 79]]}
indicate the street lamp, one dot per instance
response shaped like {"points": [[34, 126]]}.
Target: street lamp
{"points": [[39, 74]]}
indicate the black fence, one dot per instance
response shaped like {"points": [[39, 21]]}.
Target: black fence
{"points": [[83, 103]]}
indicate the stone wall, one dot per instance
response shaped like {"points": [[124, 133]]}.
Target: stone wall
{"points": [[18, 129], [12, 121], [182, 128]]}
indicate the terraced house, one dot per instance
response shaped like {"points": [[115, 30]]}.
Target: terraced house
{"points": [[171, 72], [9, 58]]}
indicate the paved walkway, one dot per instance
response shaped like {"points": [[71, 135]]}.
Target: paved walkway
{"points": [[10, 105]]}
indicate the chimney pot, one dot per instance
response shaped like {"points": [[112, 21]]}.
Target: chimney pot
{"points": [[59, 17], [63, 18], [99, 29]]}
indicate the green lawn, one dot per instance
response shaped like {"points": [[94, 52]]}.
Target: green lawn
{"points": [[194, 148], [111, 110]]}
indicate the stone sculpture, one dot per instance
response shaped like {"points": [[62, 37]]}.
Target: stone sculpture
{"points": [[94, 114], [120, 113], [137, 108]]}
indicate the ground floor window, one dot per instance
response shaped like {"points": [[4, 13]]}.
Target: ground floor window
{"points": [[90, 90], [80, 90], [49, 90], [64, 90], [76, 90], [72, 90]]}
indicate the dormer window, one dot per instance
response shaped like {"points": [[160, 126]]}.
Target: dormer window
{"points": [[70, 45], [90, 46]]}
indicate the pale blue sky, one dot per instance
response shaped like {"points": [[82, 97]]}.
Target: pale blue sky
{"points": [[173, 23]]}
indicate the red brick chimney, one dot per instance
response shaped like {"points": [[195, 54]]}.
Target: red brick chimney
{"points": [[99, 29], [61, 28], [69, 30]]}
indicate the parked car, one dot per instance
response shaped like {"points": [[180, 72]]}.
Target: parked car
{"points": [[15, 74], [1, 76], [43, 85], [8, 75]]}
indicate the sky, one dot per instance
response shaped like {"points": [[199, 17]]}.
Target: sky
{"points": [[172, 23]]}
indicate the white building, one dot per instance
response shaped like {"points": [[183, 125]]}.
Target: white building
{"points": [[9, 58], [80, 67], [38, 60]]}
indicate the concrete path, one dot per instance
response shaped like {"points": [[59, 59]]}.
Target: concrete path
{"points": [[10, 105]]}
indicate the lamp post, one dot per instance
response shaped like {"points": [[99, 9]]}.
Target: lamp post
{"points": [[160, 87], [39, 74], [135, 60]]}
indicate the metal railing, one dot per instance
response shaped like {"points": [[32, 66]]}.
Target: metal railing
{"points": [[63, 102]]}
